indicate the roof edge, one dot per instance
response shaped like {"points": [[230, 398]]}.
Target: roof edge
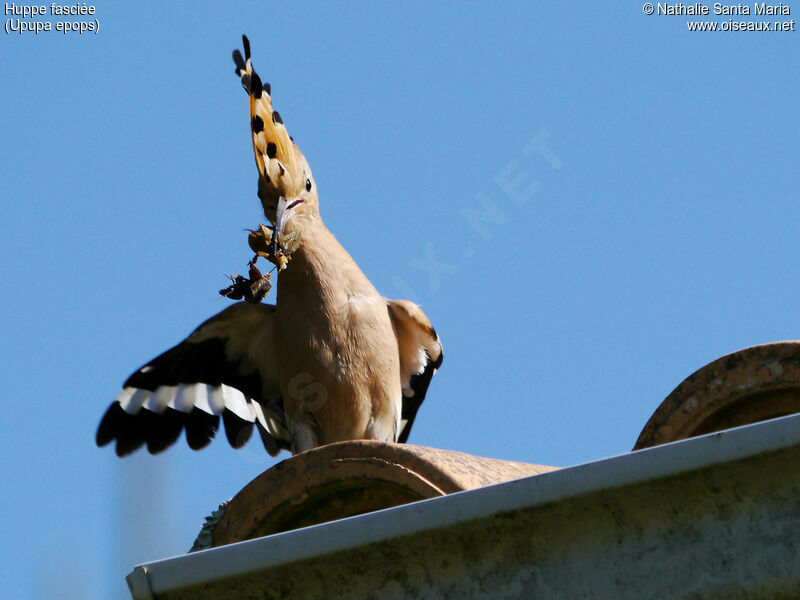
{"points": [[182, 572]]}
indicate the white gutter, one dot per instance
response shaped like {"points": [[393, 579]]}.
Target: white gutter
{"points": [[704, 477]]}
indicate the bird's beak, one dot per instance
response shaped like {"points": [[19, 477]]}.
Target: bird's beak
{"points": [[284, 212]]}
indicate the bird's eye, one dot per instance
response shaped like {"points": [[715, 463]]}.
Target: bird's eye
{"points": [[308, 185]]}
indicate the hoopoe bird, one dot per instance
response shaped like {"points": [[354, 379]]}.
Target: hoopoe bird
{"points": [[331, 360]]}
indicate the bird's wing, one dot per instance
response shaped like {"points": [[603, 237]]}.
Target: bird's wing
{"points": [[420, 356], [226, 367]]}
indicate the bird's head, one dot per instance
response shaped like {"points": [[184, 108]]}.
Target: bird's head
{"points": [[291, 197], [286, 186]]}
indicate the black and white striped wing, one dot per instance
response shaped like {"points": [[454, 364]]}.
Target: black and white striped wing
{"points": [[224, 369]]}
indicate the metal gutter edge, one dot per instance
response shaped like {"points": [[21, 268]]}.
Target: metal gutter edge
{"points": [[150, 580], [139, 584]]}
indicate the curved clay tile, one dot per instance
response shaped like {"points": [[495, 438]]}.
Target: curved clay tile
{"points": [[748, 386], [346, 479]]}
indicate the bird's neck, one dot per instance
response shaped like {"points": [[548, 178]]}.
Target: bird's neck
{"points": [[320, 271]]}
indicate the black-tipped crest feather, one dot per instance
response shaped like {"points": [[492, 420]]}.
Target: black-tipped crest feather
{"points": [[238, 61], [256, 86]]}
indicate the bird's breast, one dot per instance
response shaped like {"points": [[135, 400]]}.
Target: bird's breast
{"points": [[340, 363]]}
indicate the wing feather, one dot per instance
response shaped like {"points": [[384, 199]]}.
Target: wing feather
{"points": [[420, 356], [225, 368]]}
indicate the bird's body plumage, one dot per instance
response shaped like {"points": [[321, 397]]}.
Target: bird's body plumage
{"points": [[340, 361], [332, 360]]}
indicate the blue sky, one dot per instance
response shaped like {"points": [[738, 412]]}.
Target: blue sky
{"points": [[641, 188]]}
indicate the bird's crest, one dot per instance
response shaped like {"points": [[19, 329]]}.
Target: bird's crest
{"points": [[283, 170]]}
